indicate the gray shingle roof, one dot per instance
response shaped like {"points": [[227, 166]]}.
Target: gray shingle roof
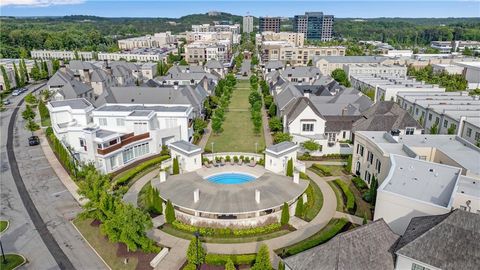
{"points": [[451, 242], [300, 72], [364, 248], [212, 63], [276, 64], [295, 108], [351, 59], [385, 116], [339, 123]]}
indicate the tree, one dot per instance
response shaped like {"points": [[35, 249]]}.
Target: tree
{"points": [[262, 261], [285, 214], [217, 124], [17, 77], [290, 168], [340, 76], [349, 163], [35, 72], [195, 252], [272, 110], [183, 62], [372, 192], [254, 97], [311, 145], [23, 73], [299, 207], [310, 63], [451, 130], [6, 80], [281, 265], [94, 187], [32, 126], [169, 213], [281, 137], [364, 221], [28, 113], [55, 65], [275, 124], [176, 167], [128, 225], [31, 99], [229, 265]]}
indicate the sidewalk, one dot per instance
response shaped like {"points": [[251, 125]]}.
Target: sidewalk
{"points": [[206, 135], [132, 194], [353, 219], [59, 170], [266, 129]]}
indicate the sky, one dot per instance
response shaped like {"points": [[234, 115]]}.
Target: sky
{"points": [[175, 9]]}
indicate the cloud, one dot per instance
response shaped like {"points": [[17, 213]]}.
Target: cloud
{"points": [[39, 3]]}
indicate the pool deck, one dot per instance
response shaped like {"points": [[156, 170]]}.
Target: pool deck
{"points": [[230, 198]]}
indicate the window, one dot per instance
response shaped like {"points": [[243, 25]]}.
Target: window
{"points": [[416, 111], [419, 267], [370, 157], [135, 152], [83, 144], [120, 122], [477, 136], [409, 130], [445, 123], [344, 134], [429, 117], [307, 127], [469, 132], [437, 120], [102, 121]]}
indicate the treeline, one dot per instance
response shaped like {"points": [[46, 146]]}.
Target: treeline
{"points": [[451, 82]]}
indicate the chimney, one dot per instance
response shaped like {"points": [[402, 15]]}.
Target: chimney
{"points": [[63, 68], [257, 195], [77, 77], [106, 63], [109, 70], [306, 93], [196, 195], [344, 111], [175, 86], [86, 75]]}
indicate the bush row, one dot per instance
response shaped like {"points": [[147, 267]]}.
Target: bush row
{"points": [[130, 174], [221, 259], [323, 169], [61, 152], [350, 204], [324, 157], [206, 231], [360, 184], [333, 228]]}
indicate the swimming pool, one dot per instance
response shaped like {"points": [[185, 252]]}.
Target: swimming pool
{"points": [[230, 178]]}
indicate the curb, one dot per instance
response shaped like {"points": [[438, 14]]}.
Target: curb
{"points": [[94, 250], [6, 228]]}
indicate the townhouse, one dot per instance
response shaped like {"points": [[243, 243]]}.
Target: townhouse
{"points": [[200, 52], [288, 53], [158, 40], [328, 63], [418, 175], [64, 55], [371, 69], [117, 134]]}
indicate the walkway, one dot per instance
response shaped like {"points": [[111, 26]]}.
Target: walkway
{"points": [[132, 194], [208, 130], [266, 128], [351, 218], [176, 256]]}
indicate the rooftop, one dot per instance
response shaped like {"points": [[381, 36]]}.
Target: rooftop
{"points": [[185, 146], [281, 147], [128, 108], [77, 103]]}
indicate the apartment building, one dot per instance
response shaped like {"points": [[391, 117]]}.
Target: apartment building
{"points": [[207, 32], [418, 175], [295, 39], [200, 51], [471, 73], [247, 24], [139, 55], [270, 24], [315, 25], [328, 63], [454, 45], [158, 40], [115, 135], [293, 55], [64, 55], [370, 69], [387, 86], [449, 112]]}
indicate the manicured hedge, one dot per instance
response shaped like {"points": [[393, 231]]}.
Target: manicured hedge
{"points": [[334, 227], [323, 169], [221, 259], [350, 204], [130, 174], [359, 184], [61, 152], [226, 232]]}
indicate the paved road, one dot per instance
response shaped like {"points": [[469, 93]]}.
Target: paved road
{"points": [[48, 203]]}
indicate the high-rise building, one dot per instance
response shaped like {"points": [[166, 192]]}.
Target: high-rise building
{"points": [[315, 25], [247, 24], [269, 24]]}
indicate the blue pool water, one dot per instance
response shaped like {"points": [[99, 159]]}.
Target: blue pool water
{"points": [[230, 178]]}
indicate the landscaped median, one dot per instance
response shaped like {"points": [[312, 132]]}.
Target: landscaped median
{"points": [[13, 261], [334, 227]]}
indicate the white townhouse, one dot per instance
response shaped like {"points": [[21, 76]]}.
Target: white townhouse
{"points": [[115, 135], [418, 175]]}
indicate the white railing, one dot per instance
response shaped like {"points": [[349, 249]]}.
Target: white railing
{"points": [[159, 257]]}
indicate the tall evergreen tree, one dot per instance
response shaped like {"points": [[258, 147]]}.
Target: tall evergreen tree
{"points": [[6, 80], [290, 167], [262, 261], [285, 218], [176, 167], [299, 207], [169, 213], [17, 76], [195, 252]]}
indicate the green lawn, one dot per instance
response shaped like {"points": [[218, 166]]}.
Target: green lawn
{"points": [[237, 135], [3, 225], [106, 249], [313, 207], [13, 260], [224, 240]]}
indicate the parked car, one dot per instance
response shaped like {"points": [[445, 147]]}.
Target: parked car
{"points": [[6, 102], [16, 92], [34, 140]]}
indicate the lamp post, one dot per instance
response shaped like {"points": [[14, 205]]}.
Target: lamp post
{"points": [[197, 235], [256, 144], [213, 153]]}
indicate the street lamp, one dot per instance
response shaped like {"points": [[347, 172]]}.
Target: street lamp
{"points": [[256, 144], [197, 235], [213, 153]]}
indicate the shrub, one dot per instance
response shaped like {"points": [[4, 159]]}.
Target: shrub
{"points": [[323, 169], [275, 124], [130, 174], [246, 159], [195, 252], [281, 265], [359, 184], [169, 213], [350, 204], [221, 259], [348, 167], [311, 145], [304, 176], [229, 265], [176, 167], [235, 159], [190, 267], [242, 157], [299, 207], [285, 218], [61, 152], [262, 261], [43, 111], [225, 232], [227, 158], [289, 168], [282, 137], [205, 160], [334, 227]]}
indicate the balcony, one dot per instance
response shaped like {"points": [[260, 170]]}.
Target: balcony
{"points": [[124, 140]]}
